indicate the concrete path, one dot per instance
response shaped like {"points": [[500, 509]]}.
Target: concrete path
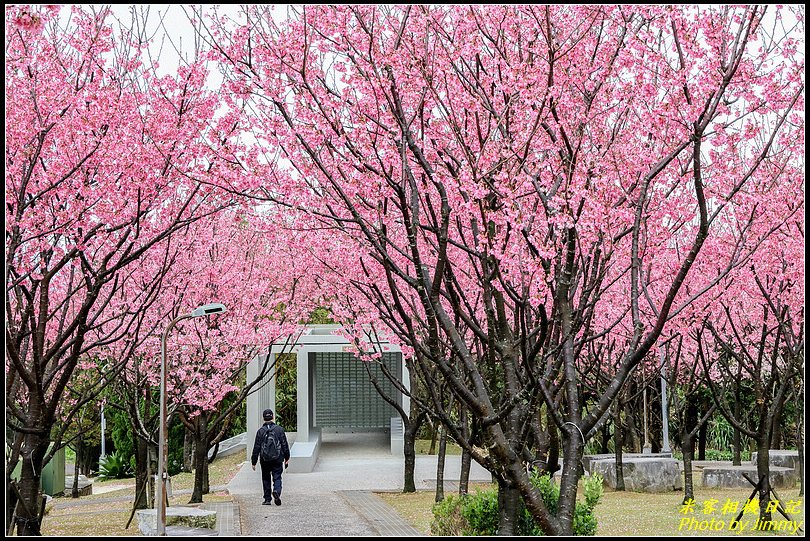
{"points": [[336, 498]]}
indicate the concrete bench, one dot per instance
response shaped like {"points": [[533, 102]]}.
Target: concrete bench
{"points": [[304, 455], [85, 486], [587, 460], [780, 457], [179, 518], [651, 474], [230, 446], [728, 476]]}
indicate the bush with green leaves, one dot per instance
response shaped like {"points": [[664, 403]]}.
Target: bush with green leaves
{"points": [[481, 514], [447, 517], [114, 466], [477, 514]]}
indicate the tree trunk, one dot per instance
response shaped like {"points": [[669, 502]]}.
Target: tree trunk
{"points": [[776, 439], [737, 443], [763, 469], [74, 492], [691, 419], [141, 474], [737, 447], [800, 439], [702, 437], [466, 456], [440, 465], [29, 514], [569, 480], [604, 440], [800, 447], [508, 508], [464, 478], [150, 478], [11, 502], [776, 436], [200, 458], [206, 487], [87, 461], [686, 449], [435, 431], [553, 463], [409, 448], [188, 450], [618, 443], [629, 431]]}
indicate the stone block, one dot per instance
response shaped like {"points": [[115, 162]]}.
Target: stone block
{"points": [[587, 460], [304, 454], [783, 458], [85, 486], [648, 474], [180, 517], [230, 446], [728, 476]]}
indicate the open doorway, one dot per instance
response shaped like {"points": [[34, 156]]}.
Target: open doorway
{"points": [[287, 391]]}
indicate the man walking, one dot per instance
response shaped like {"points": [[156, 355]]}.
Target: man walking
{"points": [[273, 451]]}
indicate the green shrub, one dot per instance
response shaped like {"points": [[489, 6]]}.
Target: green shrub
{"points": [[480, 513], [477, 514], [548, 489], [718, 454], [120, 432], [721, 433], [447, 518], [594, 488], [114, 466], [584, 520]]}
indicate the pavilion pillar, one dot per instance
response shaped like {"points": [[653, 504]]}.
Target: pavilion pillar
{"points": [[302, 382], [264, 398]]}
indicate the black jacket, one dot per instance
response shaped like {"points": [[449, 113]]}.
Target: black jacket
{"points": [[280, 434]]}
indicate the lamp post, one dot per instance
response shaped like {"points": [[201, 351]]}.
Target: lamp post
{"points": [[163, 454], [664, 408], [103, 429]]}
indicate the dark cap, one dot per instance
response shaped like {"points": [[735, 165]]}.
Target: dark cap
{"points": [[267, 415]]}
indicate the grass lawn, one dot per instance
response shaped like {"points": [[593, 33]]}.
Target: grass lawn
{"points": [[423, 446], [94, 517], [220, 472], [627, 513]]}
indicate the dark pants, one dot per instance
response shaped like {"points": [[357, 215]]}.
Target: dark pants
{"points": [[271, 478]]}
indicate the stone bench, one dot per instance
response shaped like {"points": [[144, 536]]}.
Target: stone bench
{"points": [[187, 519], [780, 457], [728, 476], [230, 446], [652, 474], [587, 460], [304, 454], [85, 486]]}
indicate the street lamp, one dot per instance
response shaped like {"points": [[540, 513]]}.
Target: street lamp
{"points": [[163, 454]]}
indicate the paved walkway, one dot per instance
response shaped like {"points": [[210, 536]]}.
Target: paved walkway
{"points": [[382, 517], [228, 522], [337, 498]]}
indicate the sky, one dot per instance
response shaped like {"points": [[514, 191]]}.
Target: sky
{"points": [[173, 32]]}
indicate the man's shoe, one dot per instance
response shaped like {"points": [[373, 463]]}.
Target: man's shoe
{"points": [[277, 498], [266, 502]]}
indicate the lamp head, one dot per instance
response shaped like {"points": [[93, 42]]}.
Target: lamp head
{"points": [[209, 309]]}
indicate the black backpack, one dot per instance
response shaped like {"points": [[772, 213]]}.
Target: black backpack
{"points": [[271, 447]]}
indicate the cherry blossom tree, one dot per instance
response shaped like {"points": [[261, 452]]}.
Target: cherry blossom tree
{"points": [[514, 182], [759, 333], [252, 267], [104, 160]]}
